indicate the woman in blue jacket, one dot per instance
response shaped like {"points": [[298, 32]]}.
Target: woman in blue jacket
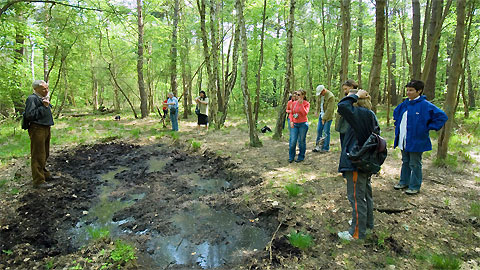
{"points": [[414, 118]]}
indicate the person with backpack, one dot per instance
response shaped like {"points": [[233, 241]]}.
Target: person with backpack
{"points": [[38, 119], [362, 122], [414, 118], [172, 103]]}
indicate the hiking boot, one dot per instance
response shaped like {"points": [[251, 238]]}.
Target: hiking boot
{"points": [[345, 236], [400, 186], [299, 160], [323, 151], [316, 149], [290, 160], [412, 191]]}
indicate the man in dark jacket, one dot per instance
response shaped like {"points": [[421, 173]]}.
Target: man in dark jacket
{"points": [[362, 122], [414, 118], [38, 114]]}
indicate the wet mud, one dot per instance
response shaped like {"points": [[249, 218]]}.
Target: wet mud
{"points": [[177, 208]]}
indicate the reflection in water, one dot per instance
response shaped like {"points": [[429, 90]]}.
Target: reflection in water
{"points": [[208, 238]]}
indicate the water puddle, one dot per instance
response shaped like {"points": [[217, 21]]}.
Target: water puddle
{"points": [[207, 238], [157, 164]]}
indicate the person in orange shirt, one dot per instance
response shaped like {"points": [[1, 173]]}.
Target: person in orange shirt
{"points": [[299, 127]]}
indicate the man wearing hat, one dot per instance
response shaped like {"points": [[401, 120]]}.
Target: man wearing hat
{"points": [[327, 109]]}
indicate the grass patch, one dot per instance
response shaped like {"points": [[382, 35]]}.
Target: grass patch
{"points": [[300, 240], [123, 253], [3, 182], [98, 233], [293, 190], [196, 145], [475, 209], [441, 261]]}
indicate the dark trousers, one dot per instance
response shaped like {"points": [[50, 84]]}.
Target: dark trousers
{"points": [[39, 151], [359, 193]]}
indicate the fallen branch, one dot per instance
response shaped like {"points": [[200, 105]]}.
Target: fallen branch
{"points": [[271, 240]]}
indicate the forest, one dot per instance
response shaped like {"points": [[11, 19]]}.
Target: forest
{"points": [[132, 194]]}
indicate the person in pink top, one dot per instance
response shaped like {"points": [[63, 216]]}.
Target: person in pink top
{"points": [[289, 108], [299, 127]]}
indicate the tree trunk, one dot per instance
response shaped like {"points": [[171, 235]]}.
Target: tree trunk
{"points": [[431, 76], [254, 141], [360, 43], [276, 63], [141, 84], [405, 55], [94, 84], [388, 84], [456, 69], [471, 92], [45, 46], [186, 77], [346, 29], [260, 63], [288, 73], [394, 97], [416, 50], [374, 78], [173, 51], [216, 98]]}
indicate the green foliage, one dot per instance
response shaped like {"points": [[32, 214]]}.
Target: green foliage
{"points": [[49, 265], [441, 261], [300, 240], [14, 191], [174, 135], [98, 233], [475, 209], [7, 251], [293, 189], [196, 145], [135, 133], [3, 182], [122, 253], [381, 238], [450, 162], [77, 266]]}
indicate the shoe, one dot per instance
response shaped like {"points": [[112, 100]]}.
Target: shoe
{"points": [[290, 160], [412, 191], [316, 149], [43, 185], [298, 160], [323, 151], [350, 222], [52, 178], [345, 236], [400, 186]]}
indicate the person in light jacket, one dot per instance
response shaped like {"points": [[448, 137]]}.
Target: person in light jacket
{"points": [[414, 118], [325, 119]]}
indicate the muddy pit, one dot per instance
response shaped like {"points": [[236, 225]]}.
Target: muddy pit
{"points": [[175, 207]]}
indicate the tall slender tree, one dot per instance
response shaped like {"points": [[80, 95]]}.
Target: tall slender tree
{"points": [[416, 49], [455, 72], [345, 7], [173, 49], [141, 83], [374, 78], [260, 63], [247, 104]]}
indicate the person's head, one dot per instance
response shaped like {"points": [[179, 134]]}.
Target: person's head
{"points": [[41, 87], [302, 94], [349, 85], [170, 94], [320, 90], [414, 89], [202, 94], [364, 102], [294, 96]]}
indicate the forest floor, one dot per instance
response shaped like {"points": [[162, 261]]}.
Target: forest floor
{"points": [[207, 200]]}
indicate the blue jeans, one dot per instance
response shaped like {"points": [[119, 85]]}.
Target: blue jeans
{"points": [[174, 119], [298, 133], [411, 173], [324, 130]]}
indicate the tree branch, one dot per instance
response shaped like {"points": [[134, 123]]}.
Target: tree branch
{"points": [[13, 2]]}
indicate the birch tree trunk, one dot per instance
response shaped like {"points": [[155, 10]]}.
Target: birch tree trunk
{"points": [[141, 83], [346, 29], [260, 63], [455, 72], [254, 141], [374, 78], [288, 74]]}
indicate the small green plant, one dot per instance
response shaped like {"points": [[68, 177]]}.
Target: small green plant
{"points": [[7, 251], [196, 145], [98, 233], [135, 133], [3, 182], [441, 261], [122, 253], [446, 202], [174, 135], [450, 161], [300, 240], [77, 266], [477, 179], [293, 189], [475, 209], [381, 238], [14, 191], [49, 265]]}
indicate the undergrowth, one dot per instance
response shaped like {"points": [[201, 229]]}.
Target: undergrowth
{"points": [[300, 240]]}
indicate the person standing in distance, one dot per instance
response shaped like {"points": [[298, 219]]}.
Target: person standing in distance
{"points": [[299, 127], [327, 110], [172, 103], [38, 114], [202, 103], [414, 118]]}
